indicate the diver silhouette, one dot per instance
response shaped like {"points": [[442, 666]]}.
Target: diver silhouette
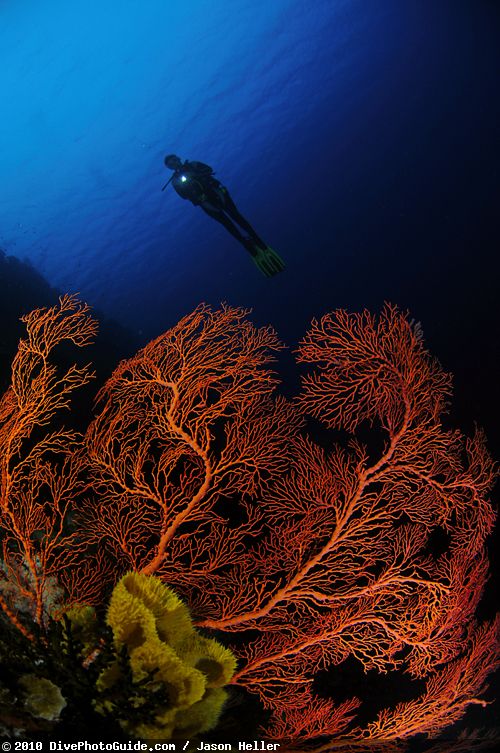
{"points": [[195, 181]]}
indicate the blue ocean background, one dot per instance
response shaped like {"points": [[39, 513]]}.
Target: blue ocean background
{"points": [[359, 137]]}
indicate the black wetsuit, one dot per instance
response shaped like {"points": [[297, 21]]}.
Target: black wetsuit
{"points": [[195, 181]]}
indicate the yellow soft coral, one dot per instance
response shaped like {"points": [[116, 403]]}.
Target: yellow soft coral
{"points": [[42, 698], [167, 654]]}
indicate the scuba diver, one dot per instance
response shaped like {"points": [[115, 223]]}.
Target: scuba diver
{"points": [[195, 181]]}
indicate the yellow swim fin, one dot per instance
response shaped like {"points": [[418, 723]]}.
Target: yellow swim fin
{"points": [[268, 261]]}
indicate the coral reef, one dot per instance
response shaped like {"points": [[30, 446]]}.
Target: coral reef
{"points": [[301, 554]]}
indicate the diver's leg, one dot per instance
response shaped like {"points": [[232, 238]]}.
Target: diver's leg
{"points": [[219, 215], [265, 258], [235, 215]]}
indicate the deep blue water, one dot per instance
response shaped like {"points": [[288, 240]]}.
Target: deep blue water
{"points": [[360, 138]]}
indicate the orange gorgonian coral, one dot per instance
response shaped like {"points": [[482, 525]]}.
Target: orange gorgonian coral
{"points": [[39, 478], [195, 471]]}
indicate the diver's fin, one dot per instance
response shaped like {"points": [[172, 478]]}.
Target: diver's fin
{"points": [[267, 260]]}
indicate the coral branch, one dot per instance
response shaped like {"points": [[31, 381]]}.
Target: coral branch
{"points": [[304, 552], [39, 476]]}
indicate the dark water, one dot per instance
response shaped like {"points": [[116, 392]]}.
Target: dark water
{"points": [[360, 138]]}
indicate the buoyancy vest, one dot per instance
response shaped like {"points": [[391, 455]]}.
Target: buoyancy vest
{"points": [[195, 182]]}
